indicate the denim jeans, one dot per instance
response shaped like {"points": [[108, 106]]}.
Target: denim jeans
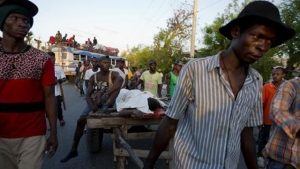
{"points": [[273, 164], [86, 111]]}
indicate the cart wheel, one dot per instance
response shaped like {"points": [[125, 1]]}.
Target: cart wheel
{"points": [[94, 140]]}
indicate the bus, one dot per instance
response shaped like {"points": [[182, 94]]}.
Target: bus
{"points": [[68, 58]]}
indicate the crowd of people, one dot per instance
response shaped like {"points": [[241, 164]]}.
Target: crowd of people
{"points": [[216, 101], [89, 45], [63, 41]]}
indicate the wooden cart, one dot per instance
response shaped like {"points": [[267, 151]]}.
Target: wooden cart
{"points": [[119, 126]]}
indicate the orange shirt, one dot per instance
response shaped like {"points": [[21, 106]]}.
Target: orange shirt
{"points": [[269, 90]]}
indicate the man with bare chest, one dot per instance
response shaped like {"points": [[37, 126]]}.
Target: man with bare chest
{"points": [[103, 88]]}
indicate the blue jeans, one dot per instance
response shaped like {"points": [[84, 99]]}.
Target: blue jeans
{"points": [[273, 164], [86, 111]]}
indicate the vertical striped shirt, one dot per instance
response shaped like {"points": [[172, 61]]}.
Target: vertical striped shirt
{"points": [[210, 118], [284, 145]]}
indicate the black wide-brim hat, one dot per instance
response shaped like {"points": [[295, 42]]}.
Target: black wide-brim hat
{"points": [[178, 62], [151, 62], [263, 11], [31, 7]]}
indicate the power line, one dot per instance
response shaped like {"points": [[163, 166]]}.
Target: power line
{"points": [[156, 15]]}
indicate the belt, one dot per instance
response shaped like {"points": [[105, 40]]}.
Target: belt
{"points": [[22, 107]]}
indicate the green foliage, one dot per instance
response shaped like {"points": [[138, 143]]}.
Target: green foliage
{"points": [[214, 42], [290, 10], [29, 37], [167, 43], [265, 64], [139, 56]]}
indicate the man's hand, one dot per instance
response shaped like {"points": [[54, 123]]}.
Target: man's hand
{"points": [[104, 108], [104, 97], [51, 145]]}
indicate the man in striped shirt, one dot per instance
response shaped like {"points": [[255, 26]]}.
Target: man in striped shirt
{"points": [[217, 99]]}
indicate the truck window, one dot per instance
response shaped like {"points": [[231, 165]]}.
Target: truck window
{"points": [[76, 57], [64, 56]]}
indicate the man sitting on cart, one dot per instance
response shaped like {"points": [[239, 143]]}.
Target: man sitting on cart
{"points": [[103, 89]]}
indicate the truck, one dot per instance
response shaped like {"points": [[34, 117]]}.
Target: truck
{"points": [[65, 58], [68, 58]]}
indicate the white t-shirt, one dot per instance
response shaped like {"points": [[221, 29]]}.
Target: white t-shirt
{"points": [[122, 74], [89, 73], [59, 74]]}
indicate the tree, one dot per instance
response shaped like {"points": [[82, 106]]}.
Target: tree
{"points": [[214, 41], [290, 10], [167, 45], [169, 42], [265, 64], [29, 37]]}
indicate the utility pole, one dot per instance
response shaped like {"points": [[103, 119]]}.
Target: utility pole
{"points": [[195, 11]]}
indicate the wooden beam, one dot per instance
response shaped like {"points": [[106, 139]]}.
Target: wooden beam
{"points": [[93, 122], [127, 147], [141, 135], [141, 153]]}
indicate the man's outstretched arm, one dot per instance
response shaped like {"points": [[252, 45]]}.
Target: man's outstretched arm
{"points": [[248, 148], [165, 132]]}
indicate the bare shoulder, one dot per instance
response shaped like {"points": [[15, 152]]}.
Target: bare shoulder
{"points": [[94, 76], [115, 74]]}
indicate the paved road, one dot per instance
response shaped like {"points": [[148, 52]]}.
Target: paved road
{"points": [[85, 160]]}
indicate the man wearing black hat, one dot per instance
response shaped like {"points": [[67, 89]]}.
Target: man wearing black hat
{"points": [[217, 100], [26, 91]]}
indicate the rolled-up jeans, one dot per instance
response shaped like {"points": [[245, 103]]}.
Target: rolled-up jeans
{"points": [[86, 111]]}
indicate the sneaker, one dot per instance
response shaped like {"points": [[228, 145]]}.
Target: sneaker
{"points": [[62, 123], [261, 162]]}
